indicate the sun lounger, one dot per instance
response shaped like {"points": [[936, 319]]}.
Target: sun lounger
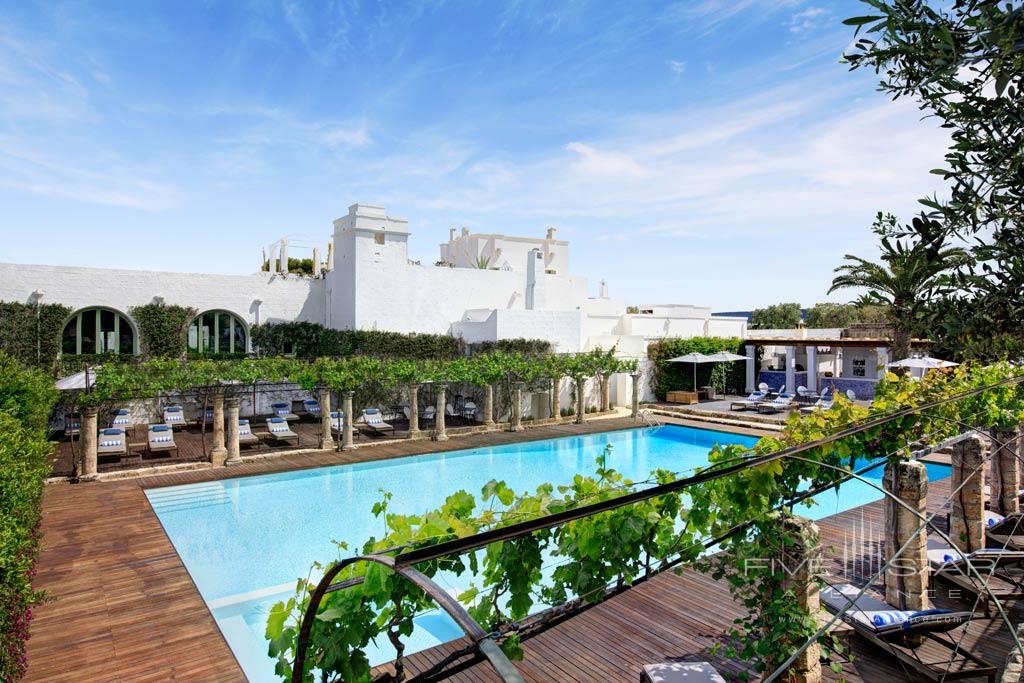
{"points": [[776, 405], [121, 419], [311, 408], [469, 410], [72, 424], [994, 565], [174, 416], [279, 429], [375, 421], [337, 421], [112, 441], [428, 414], [823, 403], [888, 629], [680, 672], [161, 439], [284, 410], [245, 435], [1007, 531], [753, 401]]}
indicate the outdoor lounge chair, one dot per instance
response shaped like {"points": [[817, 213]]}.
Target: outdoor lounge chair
{"points": [[1007, 531], [680, 672], [375, 421], [245, 435], [112, 441], [776, 405], [121, 419], [283, 410], [161, 439], [428, 414], [823, 403], [887, 628], [337, 421], [993, 564], [753, 401], [280, 431], [72, 424], [469, 410], [174, 416], [311, 408]]}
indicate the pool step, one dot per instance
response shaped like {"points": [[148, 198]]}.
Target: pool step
{"points": [[177, 499]]}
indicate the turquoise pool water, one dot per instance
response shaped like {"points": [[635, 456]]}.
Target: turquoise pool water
{"points": [[245, 541]]}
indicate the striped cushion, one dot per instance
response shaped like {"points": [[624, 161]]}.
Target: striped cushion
{"points": [[279, 429], [162, 439], [173, 418], [111, 443], [244, 432]]}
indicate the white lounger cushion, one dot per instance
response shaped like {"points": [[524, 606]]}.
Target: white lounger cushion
{"points": [[682, 672], [880, 617]]}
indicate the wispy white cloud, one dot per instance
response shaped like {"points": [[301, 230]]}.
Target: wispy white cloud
{"points": [[676, 66], [808, 19]]}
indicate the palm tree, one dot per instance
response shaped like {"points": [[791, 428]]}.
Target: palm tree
{"points": [[916, 263]]}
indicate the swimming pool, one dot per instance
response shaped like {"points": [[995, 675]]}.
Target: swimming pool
{"points": [[245, 541]]}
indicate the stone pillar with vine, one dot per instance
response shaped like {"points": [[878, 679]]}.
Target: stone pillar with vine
{"points": [[967, 517], [346, 432], [635, 402], [231, 418], [517, 407], [219, 453], [906, 581], [556, 397], [489, 405], [581, 402], [801, 556], [90, 437], [440, 431], [1006, 451], [414, 410], [326, 438]]}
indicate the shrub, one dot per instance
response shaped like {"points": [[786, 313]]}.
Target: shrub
{"points": [[163, 329], [667, 376], [26, 399], [530, 347], [35, 341], [309, 340]]}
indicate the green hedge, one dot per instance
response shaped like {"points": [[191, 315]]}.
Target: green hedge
{"points": [[529, 347], [26, 399], [163, 329], [311, 340], [679, 376], [34, 342]]}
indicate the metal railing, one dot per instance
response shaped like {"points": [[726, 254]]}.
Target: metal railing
{"points": [[404, 562]]}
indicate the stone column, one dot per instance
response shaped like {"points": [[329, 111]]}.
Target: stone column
{"points": [[1006, 451], [812, 368], [1013, 672], [751, 368], [517, 407], [606, 398], [414, 410], [346, 430], [489, 405], [791, 369], [219, 453], [581, 402], [801, 556], [635, 403], [967, 519], [882, 355], [440, 433], [556, 397], [231, 418], [89, 443], [326, 437], [906, 580]]}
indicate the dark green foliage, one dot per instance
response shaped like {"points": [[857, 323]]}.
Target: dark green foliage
{"points": [[775, 317], [26, 399], [309, 340], [163, 329], [33, 341], [302, 266], [529, 347], [679, 376], [832, 315]]}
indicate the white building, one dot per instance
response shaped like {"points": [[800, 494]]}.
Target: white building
{"points": [[484, 288]]}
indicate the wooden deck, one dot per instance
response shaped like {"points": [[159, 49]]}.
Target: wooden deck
{"points": [[123, 608]]}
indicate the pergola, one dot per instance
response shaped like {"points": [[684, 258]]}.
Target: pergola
{"points": [[812, 345]]}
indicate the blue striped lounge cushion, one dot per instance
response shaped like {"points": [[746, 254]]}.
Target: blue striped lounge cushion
{"points": [[279, 429], [116, 442], [163, 439]]}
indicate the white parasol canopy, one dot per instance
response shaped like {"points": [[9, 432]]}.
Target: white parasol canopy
{"points": [[80, 380], [922, 363], [695, 357]]}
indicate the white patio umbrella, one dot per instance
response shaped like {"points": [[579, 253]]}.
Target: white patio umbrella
{"points": [[726, 357], [694, 358], [79, 380], [922, 363]]}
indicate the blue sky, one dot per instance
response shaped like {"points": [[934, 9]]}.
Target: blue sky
{"points": [[707, 152]]}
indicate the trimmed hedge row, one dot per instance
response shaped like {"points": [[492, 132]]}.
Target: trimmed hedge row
{"points": [[33, 340], [26, 399], [679, 376]]}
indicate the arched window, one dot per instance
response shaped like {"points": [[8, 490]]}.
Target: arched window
{"points": [[98, 330], [217, 332]]}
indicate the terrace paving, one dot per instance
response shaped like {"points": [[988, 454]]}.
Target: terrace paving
{"points": [[122, 607]]}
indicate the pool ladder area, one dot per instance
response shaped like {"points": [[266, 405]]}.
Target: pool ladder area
{"points": [[650, 419], [174, 499]]}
